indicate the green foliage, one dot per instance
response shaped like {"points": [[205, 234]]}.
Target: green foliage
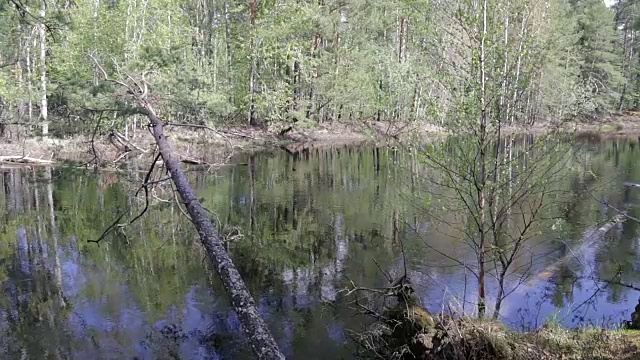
{"points": [[600, 64], [393, 60]]}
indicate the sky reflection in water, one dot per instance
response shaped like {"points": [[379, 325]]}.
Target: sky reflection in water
{"points": [[308, 224]]}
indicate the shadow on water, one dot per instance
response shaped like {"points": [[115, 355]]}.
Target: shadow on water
{"points": [[299, 228]]}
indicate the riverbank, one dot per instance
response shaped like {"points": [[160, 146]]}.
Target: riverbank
{"points": [[210, 146], [469, 338], [201, 145]]}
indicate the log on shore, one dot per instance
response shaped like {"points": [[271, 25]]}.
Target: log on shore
{"points": [[19, 159], [262, 342]]}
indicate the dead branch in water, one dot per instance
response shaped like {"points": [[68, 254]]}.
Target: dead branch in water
{"points": [[400, 320], [262, 342], [193, 161], [145, 186]]}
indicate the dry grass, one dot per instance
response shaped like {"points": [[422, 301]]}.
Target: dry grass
{"points": [[215, 145], [466, 338], [211, 146], [197, 145]]}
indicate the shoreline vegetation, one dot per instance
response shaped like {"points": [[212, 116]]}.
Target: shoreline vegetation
{"points": [[203, 145], [458, 338], [403, 329]]}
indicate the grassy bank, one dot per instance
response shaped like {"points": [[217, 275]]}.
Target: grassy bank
{"points": [[468, 338]]}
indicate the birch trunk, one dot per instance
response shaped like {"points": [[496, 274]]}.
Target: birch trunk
{"points": [[511, 107], [483, 170], [402, 49], [43, 71], [505, 74], [29, 77], [19, 72], [227, 36], [253, 119]]}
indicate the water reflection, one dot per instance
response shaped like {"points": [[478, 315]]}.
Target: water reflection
{"points": [[300, 228]]}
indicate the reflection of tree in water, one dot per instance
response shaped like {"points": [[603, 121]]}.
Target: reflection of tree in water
{"points": [[616, 260], [300, 222], [34, 307], [562, 286], [618, 252], [606, 165], [305, 226], [35, 310]]}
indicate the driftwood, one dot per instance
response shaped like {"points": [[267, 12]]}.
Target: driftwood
{"points": [[260, 338], [18, 159], [190, 161]]}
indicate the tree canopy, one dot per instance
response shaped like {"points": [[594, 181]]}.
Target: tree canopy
{"points": [[278, 62]]}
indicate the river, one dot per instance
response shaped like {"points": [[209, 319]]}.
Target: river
{"points": [[300, 228]]}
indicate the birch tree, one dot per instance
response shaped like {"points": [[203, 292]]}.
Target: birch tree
{"points": [[483, 179], [43, 69], [301, 63]]}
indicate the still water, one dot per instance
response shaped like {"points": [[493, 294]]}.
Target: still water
{"points": [[300, 229]]}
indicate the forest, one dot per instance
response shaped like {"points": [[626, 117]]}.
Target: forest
{"points": [[473, 70], [279, 63]]}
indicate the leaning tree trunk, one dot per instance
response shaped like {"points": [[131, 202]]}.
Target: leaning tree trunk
{"points": [[260, 338]]}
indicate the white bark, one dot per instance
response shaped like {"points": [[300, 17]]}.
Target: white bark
{"points": [[96, 6], [483, 175], [43, 71], [505, 70], [130, 31], [19, 74], [510, 107], [143, 15], [483, 75], [29, 84], [57, 267]]}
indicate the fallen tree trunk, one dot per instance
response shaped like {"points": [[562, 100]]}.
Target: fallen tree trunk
{"points": [[262, 342], [19, 159], [260, 338], [594, 236]]}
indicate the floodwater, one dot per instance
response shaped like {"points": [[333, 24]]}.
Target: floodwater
{"points": [[300, 229]]}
